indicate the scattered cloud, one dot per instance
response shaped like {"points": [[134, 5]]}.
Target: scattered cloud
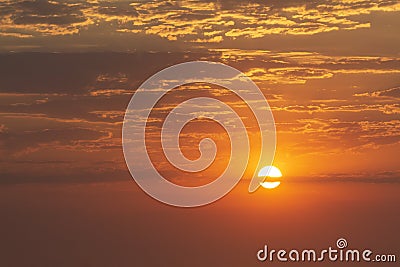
{"points": [[188, 21], [30, 18]]}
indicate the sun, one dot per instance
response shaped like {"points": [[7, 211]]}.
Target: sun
{"points": [[270, 171]]}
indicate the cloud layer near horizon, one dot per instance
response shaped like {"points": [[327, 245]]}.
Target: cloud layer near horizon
{"points": [[68, 109]]}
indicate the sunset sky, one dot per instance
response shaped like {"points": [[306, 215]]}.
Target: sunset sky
{"points": [[330, 71]]}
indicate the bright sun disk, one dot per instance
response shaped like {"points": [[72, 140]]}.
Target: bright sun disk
{"points": [[270, 171]]}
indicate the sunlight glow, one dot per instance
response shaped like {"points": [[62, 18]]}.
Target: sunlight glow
{"points": [[270, 185], [270, 171]]}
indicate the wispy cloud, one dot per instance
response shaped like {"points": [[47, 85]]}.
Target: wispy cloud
{"points": [[391, 93]]}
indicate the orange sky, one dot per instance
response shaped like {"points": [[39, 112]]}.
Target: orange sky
{"points": [[335, 116], [330, 71]]}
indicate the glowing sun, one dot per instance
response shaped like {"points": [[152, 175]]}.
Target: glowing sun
{"points": [[270, 171]]}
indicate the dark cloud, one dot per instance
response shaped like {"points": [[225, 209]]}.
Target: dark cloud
{"points": [[59, 172], [116, 8], [16, 141], [104, 108], [77, 73], [43, 12]]}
